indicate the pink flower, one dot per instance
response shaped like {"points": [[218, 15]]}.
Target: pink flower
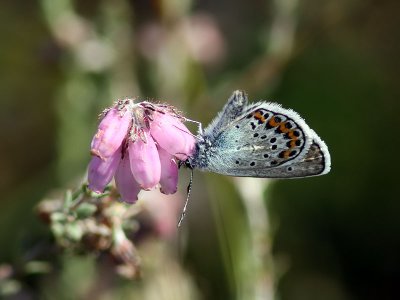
{"points": [[111, 132], [138, 145], [172, 135], [125, 182], [145, 161], [101, 171], [169, 172]]}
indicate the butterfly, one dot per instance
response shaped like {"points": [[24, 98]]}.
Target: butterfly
{"points": [[258, 140]]}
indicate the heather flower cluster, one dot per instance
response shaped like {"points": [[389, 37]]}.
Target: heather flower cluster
{"points": [[138, 144]]}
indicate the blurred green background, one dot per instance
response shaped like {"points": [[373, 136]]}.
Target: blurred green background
{"points": [[333, 61]]}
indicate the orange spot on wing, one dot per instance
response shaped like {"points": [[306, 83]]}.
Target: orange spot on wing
{"points": [[292, 136], [259, 116], [293, 139], [273, 123], [283, 128]]}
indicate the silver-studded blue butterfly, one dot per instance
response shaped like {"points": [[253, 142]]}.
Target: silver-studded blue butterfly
{"points": [[259, 140]]}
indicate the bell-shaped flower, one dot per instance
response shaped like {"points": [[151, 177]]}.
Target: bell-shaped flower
{"points": [[101, 171], [172, 135], [169, 172], [138, 145], [145, 161], [125, 182], [111, 132]]}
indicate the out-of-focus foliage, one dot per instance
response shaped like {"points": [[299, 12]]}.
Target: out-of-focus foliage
{"points": [[334, 237]]}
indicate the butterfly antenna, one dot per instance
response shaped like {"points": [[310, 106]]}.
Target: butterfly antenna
{"points": [[189, 189]]}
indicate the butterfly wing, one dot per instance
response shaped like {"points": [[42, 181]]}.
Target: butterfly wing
{"points": [[266, 140], [317, 161], [230, 112]]}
